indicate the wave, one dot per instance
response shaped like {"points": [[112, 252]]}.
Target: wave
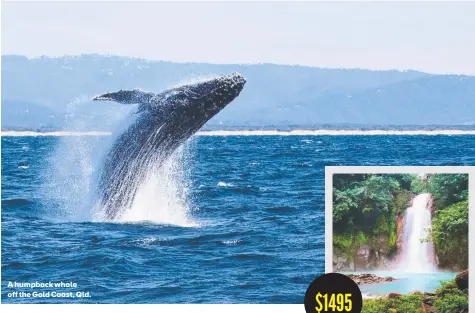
{"points": [[16, 202], [224, 184], [297, 132], [231, 242]]}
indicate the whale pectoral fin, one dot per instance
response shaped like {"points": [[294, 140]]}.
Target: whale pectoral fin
{"points": [[127, 96]]}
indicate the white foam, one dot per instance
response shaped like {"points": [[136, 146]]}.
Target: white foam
{"points": [[224, 184], [163, 197], [146, 241], [298, 132], [231, 242]]}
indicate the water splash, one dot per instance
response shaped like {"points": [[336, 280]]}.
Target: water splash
{"points": [[75, 165], [163, 196], [417, 254], [69, 177]]}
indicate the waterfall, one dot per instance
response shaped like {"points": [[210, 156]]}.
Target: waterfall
{"points": [[417, 256]]}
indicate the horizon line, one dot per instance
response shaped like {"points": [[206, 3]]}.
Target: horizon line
{"points": [[29, 57]]}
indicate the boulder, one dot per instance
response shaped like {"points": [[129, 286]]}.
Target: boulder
{"points": [[428, 308], [393, 295], [399, 232], [429, 300], [342, 263], [364, 251], [461, 280], [366, 279]]}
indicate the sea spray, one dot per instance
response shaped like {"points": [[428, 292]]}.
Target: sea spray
{"points": [[68, 181], [163, 196], [71, 180]]}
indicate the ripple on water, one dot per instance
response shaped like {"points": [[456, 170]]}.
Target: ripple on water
{"points": [[268, 226]]}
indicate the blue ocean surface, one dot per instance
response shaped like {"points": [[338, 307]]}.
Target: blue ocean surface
{"points": [[237, 219]]}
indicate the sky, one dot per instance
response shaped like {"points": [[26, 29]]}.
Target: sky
{"points": [[435, 37]]}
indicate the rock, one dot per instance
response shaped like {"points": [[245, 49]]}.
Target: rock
{"points": [[341, 263], [393, 295], [461, 280], [363, 252], [399, 232], [366, 279], [415, 293], [429, 300], [383, 246], [428, 308], [430, 205]]}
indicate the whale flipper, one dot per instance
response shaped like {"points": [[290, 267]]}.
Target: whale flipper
{"points": [[133, 96]]}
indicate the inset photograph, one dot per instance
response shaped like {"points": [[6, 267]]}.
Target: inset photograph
{"points": [[402, 237]]}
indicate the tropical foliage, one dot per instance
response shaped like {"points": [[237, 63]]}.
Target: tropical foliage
{"points": [[450, 218], [450, 235], [365, 207]]}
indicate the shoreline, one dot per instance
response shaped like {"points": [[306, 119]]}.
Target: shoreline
{"points": [[303, 132]]}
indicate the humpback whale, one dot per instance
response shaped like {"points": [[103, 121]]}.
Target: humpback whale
{"points": [[164, 121]]}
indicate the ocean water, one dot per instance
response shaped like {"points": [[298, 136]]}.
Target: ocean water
{"points": [[231, 219]]}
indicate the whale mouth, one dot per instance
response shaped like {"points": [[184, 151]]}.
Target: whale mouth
{"points": [[234, 81], [237, 78], [107, 96], [230, 85], [102, 98]]}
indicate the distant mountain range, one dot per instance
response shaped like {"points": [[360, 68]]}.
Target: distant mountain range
{"points": [[47, 93]]}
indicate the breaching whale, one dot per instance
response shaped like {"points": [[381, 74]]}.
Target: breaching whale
{"points": [[164, 122]]}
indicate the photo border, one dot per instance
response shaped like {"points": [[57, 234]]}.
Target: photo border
{"points": [[394, 169]]}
